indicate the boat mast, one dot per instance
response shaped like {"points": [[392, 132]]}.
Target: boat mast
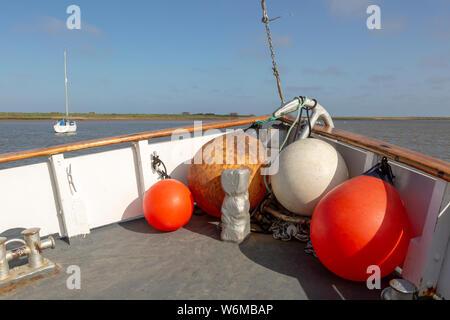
{"points": [[65, 76]]}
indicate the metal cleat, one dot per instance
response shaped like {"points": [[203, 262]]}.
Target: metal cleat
{"points": [[399, 289], [32, 248], [4, 267]]}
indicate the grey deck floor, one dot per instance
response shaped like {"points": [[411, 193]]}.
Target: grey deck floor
{"points": [[132, 260]]}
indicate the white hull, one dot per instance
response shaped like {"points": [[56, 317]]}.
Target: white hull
{"points": [[65, 129]]}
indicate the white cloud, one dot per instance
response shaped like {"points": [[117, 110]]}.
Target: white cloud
{"points": [[330, 71], [252, 53], [282, 41], [436, 61], [349, 7], [438, 80], [279, 40], [304, 89], [379, 78], [440, 29], [55, 27], [391, 25]]}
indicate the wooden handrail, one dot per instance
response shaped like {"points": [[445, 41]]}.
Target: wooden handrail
{"points": [[435, 167], [430, 165], [7, 157]]}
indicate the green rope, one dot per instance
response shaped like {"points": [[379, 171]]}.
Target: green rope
{"points": [[301, 104], [299, 108], [272, 118], [254, 211], [265, 182]]}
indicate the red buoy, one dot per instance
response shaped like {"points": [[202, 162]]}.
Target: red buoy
{"points": [[168, 205], [361, 222]]}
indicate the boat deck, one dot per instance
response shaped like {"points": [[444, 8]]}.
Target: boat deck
{"points": [[132, 260]]}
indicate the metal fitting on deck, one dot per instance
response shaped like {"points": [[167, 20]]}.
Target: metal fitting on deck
{"points": [[32, 248], [399, 289], [4, 267]]}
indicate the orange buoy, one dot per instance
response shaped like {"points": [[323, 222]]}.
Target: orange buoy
{"points": [[235, 150], [361, 222], [168, 205]]}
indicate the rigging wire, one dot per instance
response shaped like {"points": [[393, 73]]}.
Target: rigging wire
{"points": [[266, 20]]}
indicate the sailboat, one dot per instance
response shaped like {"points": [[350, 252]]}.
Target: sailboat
{"points": [[65, 125]]}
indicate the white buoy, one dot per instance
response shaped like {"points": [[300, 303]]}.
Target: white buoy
{"points": [[308, 169]]}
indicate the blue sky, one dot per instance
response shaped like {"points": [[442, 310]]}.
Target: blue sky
{"points": [[212, 56]]}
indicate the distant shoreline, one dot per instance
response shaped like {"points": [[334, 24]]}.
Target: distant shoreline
{"points": [[123, 117], [167, 117], [391, 118]]}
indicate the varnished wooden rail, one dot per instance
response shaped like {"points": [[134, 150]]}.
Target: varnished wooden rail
{"points": [[7, 157], [430, 165], [435, 167]]}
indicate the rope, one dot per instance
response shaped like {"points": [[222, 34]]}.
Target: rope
{"points": [[266, 20], [281, 229], [301, 106]]}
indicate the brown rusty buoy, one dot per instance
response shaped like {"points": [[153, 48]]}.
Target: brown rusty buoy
{"points": [[235, 150]]}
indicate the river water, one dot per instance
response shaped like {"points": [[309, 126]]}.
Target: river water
{"points": [[430, 137]]}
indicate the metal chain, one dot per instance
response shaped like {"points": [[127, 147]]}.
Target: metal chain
{"points": [[266, 21], [284, 230]]}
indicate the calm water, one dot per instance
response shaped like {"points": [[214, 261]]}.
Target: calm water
{"points": [[430, 137], [426, 136]]}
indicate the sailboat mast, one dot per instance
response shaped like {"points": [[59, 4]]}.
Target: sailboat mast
{"points": [[65, 76]]}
